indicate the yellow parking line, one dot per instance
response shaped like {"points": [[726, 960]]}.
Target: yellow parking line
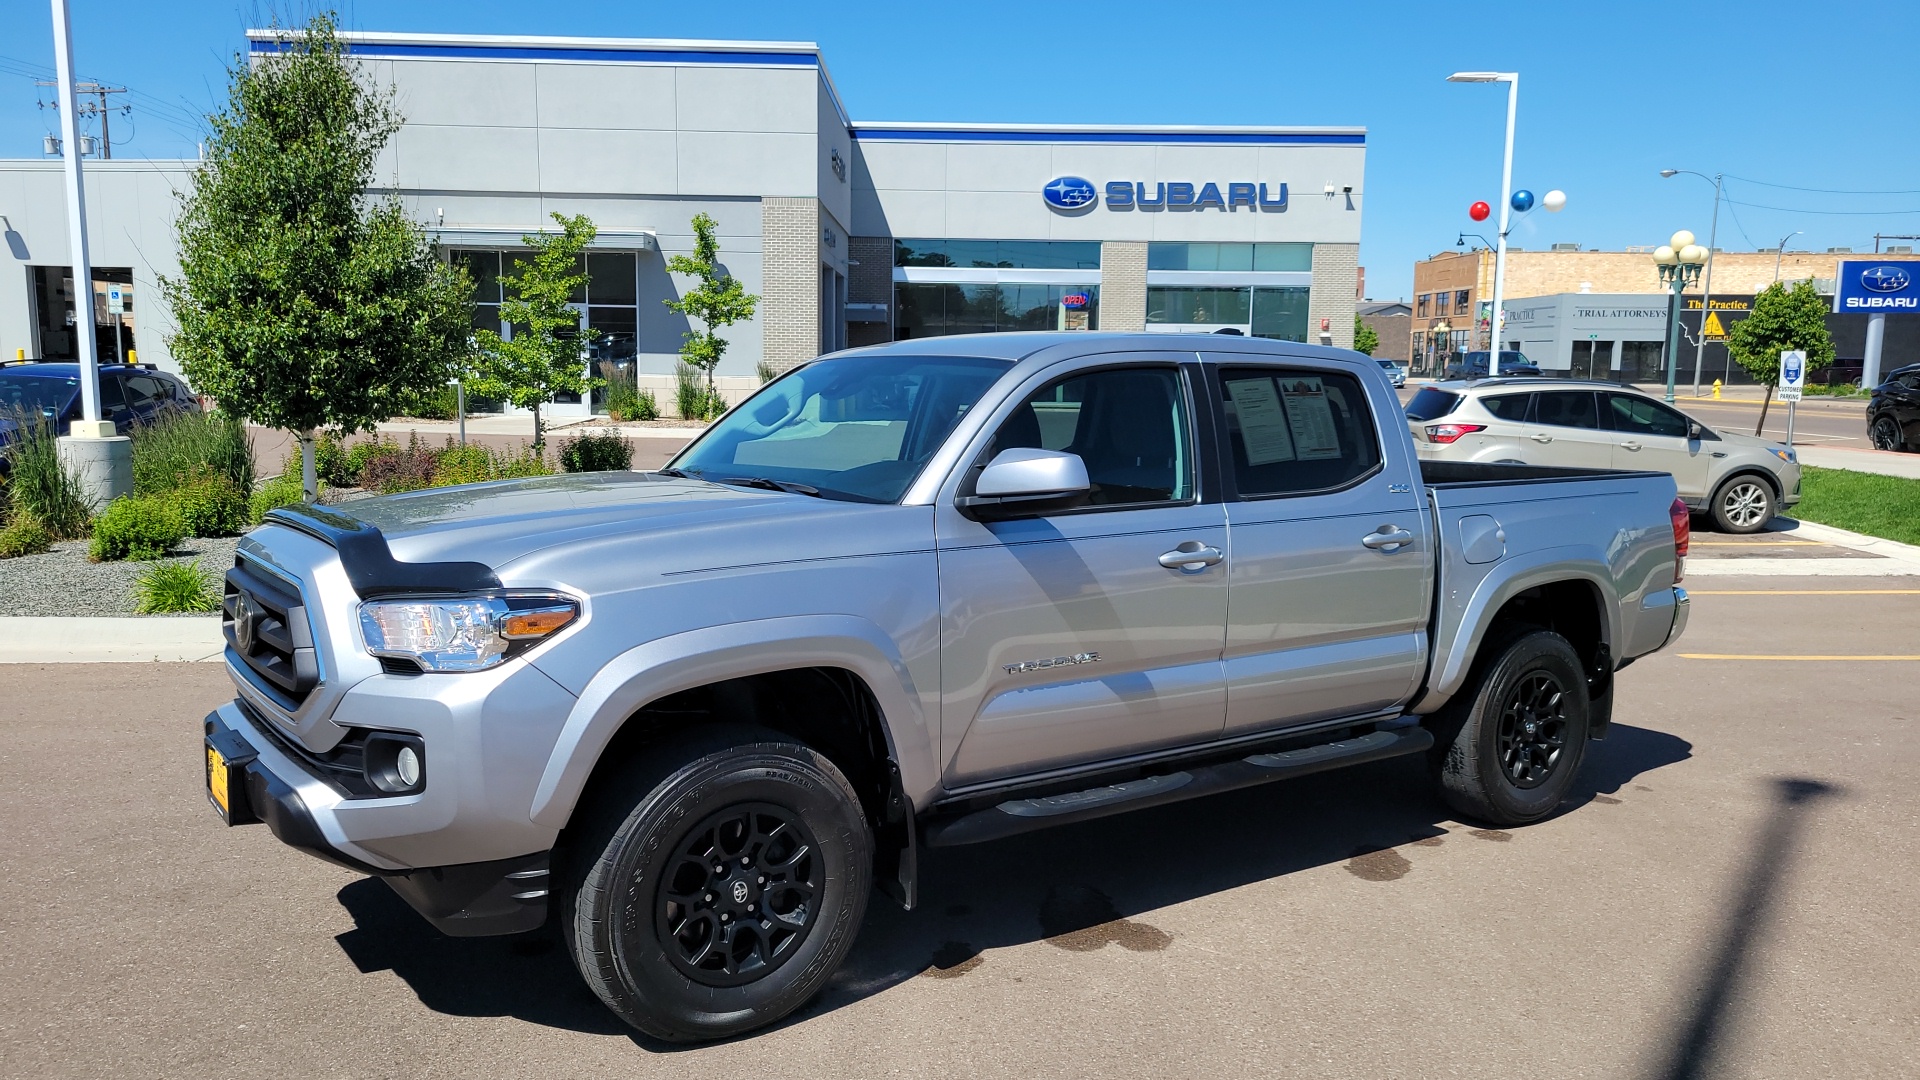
{"points": [[1769, 656], [1803, 592]]}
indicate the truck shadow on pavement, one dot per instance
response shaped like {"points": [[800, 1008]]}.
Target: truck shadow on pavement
{"points": [[1079, 888]]}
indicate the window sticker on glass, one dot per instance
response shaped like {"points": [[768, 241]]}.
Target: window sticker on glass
{"points": [[1314, 436], [1263, 426]]}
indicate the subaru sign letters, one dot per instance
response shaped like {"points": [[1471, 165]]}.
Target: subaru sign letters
{"points": [[1876, 287], [1072, 193]]}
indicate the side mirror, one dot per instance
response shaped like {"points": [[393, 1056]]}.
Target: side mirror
{"points": [[1693, 430], [1023, 482]]}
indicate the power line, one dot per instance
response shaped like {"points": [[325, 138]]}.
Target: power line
{"points": [[1829, 191], [99, 109], [1827, 213]]}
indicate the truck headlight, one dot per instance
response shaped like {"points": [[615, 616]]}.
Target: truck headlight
{"points": [[465, 633]]}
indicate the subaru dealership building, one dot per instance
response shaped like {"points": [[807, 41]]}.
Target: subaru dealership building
{"points": [[850, 232]]}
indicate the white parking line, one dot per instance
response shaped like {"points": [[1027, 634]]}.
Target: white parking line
{"points": [[1801, 568]]}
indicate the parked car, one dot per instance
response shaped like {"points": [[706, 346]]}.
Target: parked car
{"points": [[1396, 372], [129, 394], [1473, 365], [1893, 411], [1740, 480], [924, 594]]}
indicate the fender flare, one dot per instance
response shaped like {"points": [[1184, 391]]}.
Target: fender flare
{"points": [[648, 672], [1508, 579]]}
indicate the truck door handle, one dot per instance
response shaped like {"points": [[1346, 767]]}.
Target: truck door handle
{"points": [[1387, 538], [1630, 445], [1191, 556], [1541, 437]]}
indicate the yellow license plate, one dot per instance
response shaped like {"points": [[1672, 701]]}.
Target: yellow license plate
{"points": [[217, 780]]}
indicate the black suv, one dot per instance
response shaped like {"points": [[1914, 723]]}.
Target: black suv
{"points": [[1473, 365], [129, 394], [1893, 412]]}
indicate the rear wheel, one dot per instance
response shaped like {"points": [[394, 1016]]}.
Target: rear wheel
{"points": [[1743, 504], [1885, 434], [1507, 747], [717, 884]]}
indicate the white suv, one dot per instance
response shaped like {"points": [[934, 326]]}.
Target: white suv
{"points": [[1741, 480]]}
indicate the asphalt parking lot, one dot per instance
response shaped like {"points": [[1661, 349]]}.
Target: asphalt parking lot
{"points": [[1731, 894]]}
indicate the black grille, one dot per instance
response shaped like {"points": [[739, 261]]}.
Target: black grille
{"points": [[266, 625]]}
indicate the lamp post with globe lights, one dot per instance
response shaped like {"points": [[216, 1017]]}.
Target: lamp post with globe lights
{"points": [[1706, 287], [1679, 262]]}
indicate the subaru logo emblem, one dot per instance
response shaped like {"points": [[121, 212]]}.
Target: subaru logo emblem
{"points": [[1070, 193], [1884, 279]]}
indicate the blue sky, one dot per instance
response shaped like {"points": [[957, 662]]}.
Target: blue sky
{"points": [[1807, 95]]}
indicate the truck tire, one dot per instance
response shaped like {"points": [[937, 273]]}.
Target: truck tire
{"points": [[1744, 504], [1507, 747], [716, 883]]}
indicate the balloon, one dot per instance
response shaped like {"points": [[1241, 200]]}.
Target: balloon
{"points": [[1522, 201], [1681, 239], [1479, 211], [1555, 201]]}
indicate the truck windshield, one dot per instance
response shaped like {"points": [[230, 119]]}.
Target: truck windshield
{"points": [[858, 428]]}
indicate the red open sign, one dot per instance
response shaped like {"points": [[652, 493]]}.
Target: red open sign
{"points": [[1074, 301]]}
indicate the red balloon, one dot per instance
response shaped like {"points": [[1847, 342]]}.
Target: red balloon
{"points": [[1479, 211]]}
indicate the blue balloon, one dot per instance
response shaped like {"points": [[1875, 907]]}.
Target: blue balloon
{"points": [[1523, 200]]}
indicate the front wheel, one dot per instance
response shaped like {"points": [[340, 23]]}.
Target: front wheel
{"points": [[1743, 504], [717, 884], [1885, 434], [1507, 748]]}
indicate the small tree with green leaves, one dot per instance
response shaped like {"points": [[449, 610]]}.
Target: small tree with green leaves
{"points": [[718, 301], [1783, 319], [303, 303], [547, 353], [1364, 339]]}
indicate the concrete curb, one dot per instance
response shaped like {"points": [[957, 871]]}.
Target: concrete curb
{"points": [[131, 639], [1891, 549], [1853, 459]]}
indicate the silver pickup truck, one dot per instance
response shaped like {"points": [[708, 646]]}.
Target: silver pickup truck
{"points": [[931, 593]]}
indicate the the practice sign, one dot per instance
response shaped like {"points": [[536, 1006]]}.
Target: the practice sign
{"points": [[1877, 287]]}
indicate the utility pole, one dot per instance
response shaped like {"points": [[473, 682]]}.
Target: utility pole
{"points": [[91, 108]]}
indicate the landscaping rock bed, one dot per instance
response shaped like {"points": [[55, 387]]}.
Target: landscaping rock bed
{"points": [[63, 582]]}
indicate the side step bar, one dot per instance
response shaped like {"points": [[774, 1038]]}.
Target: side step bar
{"points": [[1024, 815]]}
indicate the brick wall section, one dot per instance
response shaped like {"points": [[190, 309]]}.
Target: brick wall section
{"points": [[871, 282], [1548, 273], [1396, 336], [1336, 273], [790, 281], [1123, 285]]}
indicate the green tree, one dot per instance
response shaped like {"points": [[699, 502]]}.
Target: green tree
{"points": [[303, 303], [1783, 319], [547, 353], [1364, 339], [719, 300]]}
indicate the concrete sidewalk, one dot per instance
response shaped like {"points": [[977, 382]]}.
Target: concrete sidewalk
{"points": [[128, 639], [1884, 462]]}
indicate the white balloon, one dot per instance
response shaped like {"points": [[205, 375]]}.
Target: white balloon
{"points": [[1555, 201], [1681, 239]]}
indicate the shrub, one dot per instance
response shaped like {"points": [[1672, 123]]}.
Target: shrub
{"points": [[330, 462], [622, 392], [136, 527], [690, 395], [527, 462], [766, 371], [179, 447], [463, 465], [357, 457], [274, 494], [210, 506], [24, 535], [165, 588], [645, 406], [596, 453], [393, 468], [40, 483], [440, 403]]}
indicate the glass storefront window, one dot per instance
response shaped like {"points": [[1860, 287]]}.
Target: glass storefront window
{"points": [[608, 303], [1230, 258], [999, 254], [924, 309], [1280, 314]]}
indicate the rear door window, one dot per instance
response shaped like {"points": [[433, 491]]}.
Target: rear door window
{"points": [[1512, 407], [1567, 408], [1291, 431], [1431, 404], [1639, 416]]}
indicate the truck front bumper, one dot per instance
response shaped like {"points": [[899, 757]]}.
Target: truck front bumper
{"points": [[252, 779]]}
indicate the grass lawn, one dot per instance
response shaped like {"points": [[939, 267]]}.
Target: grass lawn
{"points": [[1884, 506]]}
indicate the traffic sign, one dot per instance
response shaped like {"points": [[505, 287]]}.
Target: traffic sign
{"points": [[116, 300], [1793, 374]]}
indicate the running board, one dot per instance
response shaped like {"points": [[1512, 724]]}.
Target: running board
{"points": [[1024, 815]]}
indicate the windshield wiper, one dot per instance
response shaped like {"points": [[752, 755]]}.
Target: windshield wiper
{"points": [[770, 485], [671, 471]]}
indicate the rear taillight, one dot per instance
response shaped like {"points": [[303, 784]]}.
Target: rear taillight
{"points": [[1446, 433], [1682, 535]]}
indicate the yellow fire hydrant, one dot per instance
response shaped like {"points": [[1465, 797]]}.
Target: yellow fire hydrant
{"points": [[1716, 389]]}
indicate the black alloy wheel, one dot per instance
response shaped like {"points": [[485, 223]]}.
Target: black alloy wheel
{"points": [[1533, 730], [741, 896], [1885, 434]]}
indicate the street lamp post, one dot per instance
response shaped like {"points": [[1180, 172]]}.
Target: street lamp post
{"points": [[1678, 262], [1780, 249], [1442, 332], [1512, 79], [1706, 286]]}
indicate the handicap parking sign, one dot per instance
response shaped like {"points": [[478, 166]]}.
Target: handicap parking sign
{"points": [[1793, 374]]}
